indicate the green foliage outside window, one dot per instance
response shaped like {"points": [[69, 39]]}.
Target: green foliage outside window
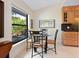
{"points": [[19, 25], [18, 20]]}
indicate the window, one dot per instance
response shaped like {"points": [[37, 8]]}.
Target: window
{"points": [[19, 25]]}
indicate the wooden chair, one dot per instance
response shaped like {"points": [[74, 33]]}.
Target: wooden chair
{"points": [[53, 42]]}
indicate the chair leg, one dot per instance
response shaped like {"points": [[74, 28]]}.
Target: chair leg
{"points": [[30, 45], [32, 51], [55, 49], [42, 52]]}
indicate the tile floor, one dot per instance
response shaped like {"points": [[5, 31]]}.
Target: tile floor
{"points": [[62, 52]]}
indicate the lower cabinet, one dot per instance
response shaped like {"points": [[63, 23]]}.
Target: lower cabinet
{"points": [[70, 38]]}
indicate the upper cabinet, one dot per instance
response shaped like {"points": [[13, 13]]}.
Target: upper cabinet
{"points": [[77, 14], [71, 14], [1, 19]]}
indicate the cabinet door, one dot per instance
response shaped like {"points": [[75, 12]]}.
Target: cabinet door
{"points": [[70, 38], [1, 19], [69, 14], [77, 14], [70, 17]]}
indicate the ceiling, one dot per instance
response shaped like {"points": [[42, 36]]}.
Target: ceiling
{"points": [[37, 4]]}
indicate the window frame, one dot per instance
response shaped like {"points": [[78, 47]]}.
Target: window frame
{"points": [[14, 10]]}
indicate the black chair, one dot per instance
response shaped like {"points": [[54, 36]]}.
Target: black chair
{"points": [[53, 42], [37, 42]]}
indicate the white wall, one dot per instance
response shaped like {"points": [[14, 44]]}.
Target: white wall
{"points": [[48, 13], [7, 21], [19, 4]]}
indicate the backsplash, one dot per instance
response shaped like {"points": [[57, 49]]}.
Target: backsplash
{"points": [[70, 27]]}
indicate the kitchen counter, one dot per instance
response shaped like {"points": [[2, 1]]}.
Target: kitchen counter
{"points": [[70, 27]]}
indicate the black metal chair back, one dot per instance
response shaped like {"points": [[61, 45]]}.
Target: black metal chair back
{"points": [[34, 38], [56, 35]]}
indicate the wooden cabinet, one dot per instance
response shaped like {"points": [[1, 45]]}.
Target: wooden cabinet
{"points": [[70, 38], [1, 19], [71, 14], [77, 14]]}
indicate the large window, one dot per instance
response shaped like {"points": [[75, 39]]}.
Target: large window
{"points": [[19, 25]]}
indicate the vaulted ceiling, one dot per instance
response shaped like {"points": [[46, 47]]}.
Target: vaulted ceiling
{"points": [[37, 4]]}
